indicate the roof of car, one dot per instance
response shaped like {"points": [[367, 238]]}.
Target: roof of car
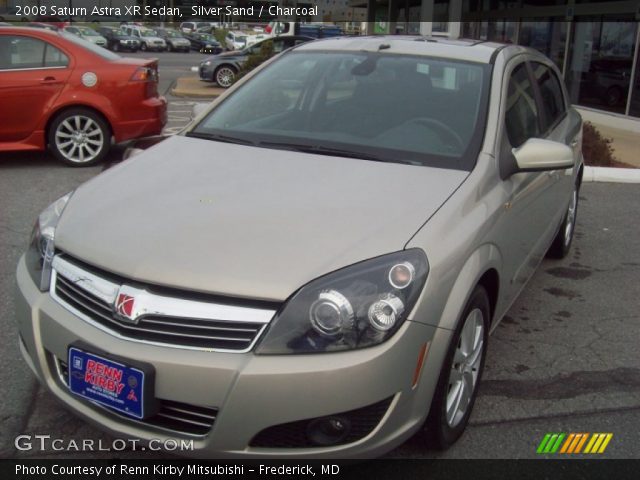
{"points": [[461, 49]]}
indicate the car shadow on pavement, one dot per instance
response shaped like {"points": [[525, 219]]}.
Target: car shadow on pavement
{"points": [[21, 160]]}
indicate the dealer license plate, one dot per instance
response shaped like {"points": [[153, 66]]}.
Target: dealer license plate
{"points": [[107, 382]]}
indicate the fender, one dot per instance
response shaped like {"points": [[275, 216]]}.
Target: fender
{"points": [[90, 100], [486, 257]]}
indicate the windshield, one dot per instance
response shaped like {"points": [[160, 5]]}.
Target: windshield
{"points": [[172, 34], [148, 33], [387, 107], [103, 52]]}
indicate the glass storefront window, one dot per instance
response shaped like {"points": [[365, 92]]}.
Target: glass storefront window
{"points": [[634, 107], [440, 16], [599, 64], [405, 15], [501, 31], [548, 36]]}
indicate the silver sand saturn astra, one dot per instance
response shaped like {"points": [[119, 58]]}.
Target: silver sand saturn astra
{"points": [[313, 267]]}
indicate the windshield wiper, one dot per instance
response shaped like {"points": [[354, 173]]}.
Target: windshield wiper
{"points": [[220, 138], [337, 152]]}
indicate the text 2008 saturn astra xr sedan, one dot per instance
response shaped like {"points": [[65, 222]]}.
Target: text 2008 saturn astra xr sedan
{"points": [[312, 268]]}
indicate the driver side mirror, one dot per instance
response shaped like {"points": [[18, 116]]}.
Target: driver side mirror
{"points": [[537, 154]]}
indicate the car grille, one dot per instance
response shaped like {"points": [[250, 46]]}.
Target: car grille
{"points": [[162, 329], [175, 416]]}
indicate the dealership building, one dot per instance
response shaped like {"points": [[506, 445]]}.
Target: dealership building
{"points": [[595, 44]]}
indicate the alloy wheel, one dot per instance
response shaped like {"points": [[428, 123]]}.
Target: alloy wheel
{"points": [[465, 368], [79, 139], [225, 77], [571, 216]]}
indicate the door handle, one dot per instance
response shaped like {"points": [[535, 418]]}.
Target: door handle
{"points": [[49, 80]]}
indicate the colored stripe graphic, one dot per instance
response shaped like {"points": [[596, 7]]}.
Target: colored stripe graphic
{"points": [[573, 443]]}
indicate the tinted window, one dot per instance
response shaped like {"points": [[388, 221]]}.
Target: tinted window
{"points": [[53, 57], [21, 52], [551, 92], [394, 107], [522, 113], [18, 52]]}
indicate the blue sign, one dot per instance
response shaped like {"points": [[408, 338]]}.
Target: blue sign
{"points": [[106, 382]]}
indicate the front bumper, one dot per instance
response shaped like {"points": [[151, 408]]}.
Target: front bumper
{"points": [[206, 72], [250, 392]]}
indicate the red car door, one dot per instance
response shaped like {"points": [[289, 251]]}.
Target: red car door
{"points": [[32, 75]]}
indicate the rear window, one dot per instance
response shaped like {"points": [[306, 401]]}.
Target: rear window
{"points": [[102, 52]]}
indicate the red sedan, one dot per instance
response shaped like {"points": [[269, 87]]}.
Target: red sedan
{"points": [[77, 99]]}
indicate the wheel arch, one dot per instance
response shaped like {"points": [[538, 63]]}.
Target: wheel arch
{"points": [[63, 108], [481, 268]]}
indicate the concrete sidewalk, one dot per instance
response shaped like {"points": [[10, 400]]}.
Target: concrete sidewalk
{"points": [[624, 143]]}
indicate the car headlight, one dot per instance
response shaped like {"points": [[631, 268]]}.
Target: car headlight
{"points": [[40, 253], [355, 307]]}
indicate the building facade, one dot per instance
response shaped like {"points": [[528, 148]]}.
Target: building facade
{"points": [[594, 43]]}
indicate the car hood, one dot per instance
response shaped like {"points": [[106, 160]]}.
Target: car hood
{"points": [[228, 55], [246, 221]]}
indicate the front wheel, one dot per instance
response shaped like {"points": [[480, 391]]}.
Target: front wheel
{"points": [[79, 137], [225, 76], [562, 243], [460, 375], [143, 47], [116, 47]]}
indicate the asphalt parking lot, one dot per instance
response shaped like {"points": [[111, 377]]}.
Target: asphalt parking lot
{"points": [[564, 359]]}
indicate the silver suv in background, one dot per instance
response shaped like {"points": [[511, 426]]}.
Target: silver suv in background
{"points": [[149, 39], [313, 267]]}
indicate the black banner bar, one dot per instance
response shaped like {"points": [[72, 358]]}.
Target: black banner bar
{"points": [[382, 469]]}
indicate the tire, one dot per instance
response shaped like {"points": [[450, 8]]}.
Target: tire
{"points": [[143, 47], [79, 137], [225, 75], [116, 47], [465, 360], [562, 242]]}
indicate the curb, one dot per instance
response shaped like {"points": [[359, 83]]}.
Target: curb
{"points": [[610, 174], [177, 92]]}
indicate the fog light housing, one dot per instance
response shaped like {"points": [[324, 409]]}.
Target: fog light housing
{"points": [[327, 431]]}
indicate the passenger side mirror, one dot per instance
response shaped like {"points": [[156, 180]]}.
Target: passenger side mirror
{"points": [[537, 154]]}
